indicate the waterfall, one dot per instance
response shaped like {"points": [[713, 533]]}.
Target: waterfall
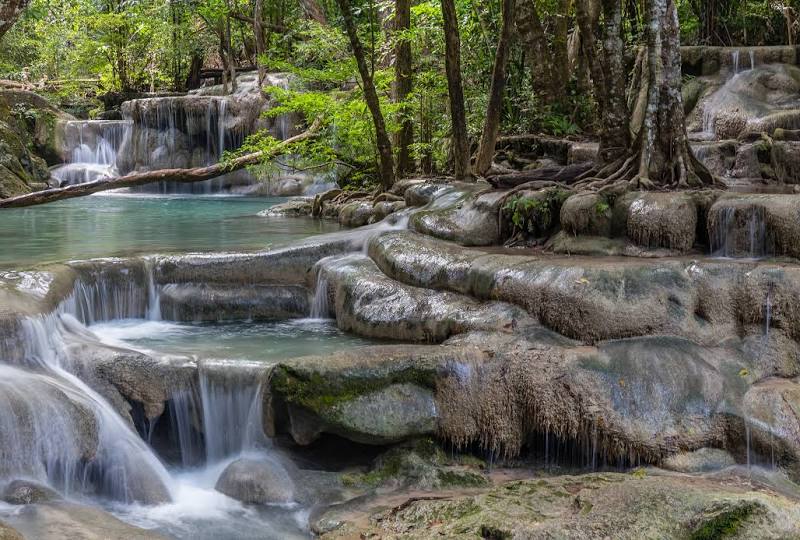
{"points": [[92, 148], [127, 293], [58, 430], [320, 308], [739, 232], [220, 419], [231, 416]]}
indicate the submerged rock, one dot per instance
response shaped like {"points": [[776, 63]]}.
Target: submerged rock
{"points": [[257, 481]]}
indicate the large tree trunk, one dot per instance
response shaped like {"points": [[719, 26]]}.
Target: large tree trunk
{"points": [[661, 156], [458, 113], [199, 174], [402, 86], [10, 11], [314, 11], [371, 96], [607, 71], [491, 125]]}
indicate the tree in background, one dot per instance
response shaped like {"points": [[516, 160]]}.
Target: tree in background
{"points": [[491, 126], [386, 166], [458, 115]]}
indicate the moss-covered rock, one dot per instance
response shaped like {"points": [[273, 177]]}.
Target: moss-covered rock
{"points": [[587, 214], [27, 140], [598, 505], [421, 464]]}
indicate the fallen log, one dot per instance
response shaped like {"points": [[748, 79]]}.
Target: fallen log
{"points": [[186, 176], [563, 175]]}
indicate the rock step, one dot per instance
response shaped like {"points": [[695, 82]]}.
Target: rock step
{"points": [[369, 303], [606, 298]]}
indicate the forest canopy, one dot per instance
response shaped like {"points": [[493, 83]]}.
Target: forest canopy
{"points": [[89, 55]]}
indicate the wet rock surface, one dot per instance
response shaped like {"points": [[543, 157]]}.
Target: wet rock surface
{"points": [[22, 492], [257, 481], [55, 521], [587, 506]]}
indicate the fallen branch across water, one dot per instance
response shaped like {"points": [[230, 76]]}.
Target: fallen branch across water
{"points": [[184, 176]]}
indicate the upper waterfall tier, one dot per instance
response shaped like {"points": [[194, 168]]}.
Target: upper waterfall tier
{"points": [[193, 130]]}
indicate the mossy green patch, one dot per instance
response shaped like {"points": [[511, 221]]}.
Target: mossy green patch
{"points": [[725, 523]]}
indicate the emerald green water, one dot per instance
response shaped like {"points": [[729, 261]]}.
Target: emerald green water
{"points": [[120, 225]]}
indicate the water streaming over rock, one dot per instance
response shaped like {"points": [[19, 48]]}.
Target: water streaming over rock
{"points": [[90, 149], [739, 231]]}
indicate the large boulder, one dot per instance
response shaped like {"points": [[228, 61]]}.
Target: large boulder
{"points": [[374, 395], [661, 220], [586, 213], [772, 410], [371, 304], [262, 480], [466, 217]]}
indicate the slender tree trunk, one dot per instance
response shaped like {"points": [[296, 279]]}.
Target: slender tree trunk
{"points": [[559, 52], [371, 96], [229, 47], [616, 133], [402, 86], [491, 125], [458, 113], [258, 31], [534, 40], [314, 11]]}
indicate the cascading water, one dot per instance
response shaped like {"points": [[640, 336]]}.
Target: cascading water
{"points": [[740, 232], [92, 148]]}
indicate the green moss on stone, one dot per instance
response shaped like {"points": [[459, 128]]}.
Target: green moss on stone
{"points": [[724, 524]]}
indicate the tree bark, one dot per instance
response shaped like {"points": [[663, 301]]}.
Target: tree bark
{"points": [[661, 156], [314, 11], [534, 40], [386, 165], [187, 176], [258, 31], [10, 11], [491, 125], [455, 90], [607, 71], [402, 85]]}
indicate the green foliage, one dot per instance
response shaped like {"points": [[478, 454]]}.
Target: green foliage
{"points": [[534, 216]]}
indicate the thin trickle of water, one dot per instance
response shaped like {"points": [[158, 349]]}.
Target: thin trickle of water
{"points": [[740, 232], [320, 308], [231, 417]]}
